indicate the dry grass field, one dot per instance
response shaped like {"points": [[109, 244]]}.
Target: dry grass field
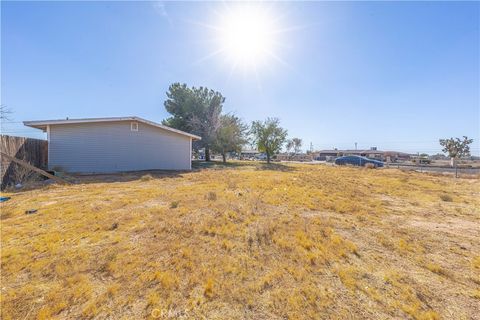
{"points": [[247, 241]]}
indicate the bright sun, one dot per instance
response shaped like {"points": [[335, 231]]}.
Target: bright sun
{"points": [[247, 36]]}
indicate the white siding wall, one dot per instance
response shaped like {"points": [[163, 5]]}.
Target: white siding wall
{"points": [[111, 146]]}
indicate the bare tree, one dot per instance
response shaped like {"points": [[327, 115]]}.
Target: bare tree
{"points": [[289, 147], [5, 113], [297, 145]]}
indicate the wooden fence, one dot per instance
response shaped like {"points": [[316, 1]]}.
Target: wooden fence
{"points": [[33, 151]]}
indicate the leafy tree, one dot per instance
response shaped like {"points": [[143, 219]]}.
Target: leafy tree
{"points": [[297, 144], [195, 110], [180, 104], [268, 136], [231, 135], [456, 148]]}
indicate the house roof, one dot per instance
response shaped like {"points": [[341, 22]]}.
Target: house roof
{"points": [[42, 124]]}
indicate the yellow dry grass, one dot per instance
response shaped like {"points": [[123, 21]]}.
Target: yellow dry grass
{"points": [[245, 242]]}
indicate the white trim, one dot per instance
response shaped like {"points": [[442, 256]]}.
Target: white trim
{"points": [[48, 146], [41, 124], [190, 154]]}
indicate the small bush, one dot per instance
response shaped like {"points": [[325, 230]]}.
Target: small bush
{"points": [[166, 278], [212, 196], [208, 292], [146, 177], [476, 294], [435, 268], [90, 311], [174, 204], [112, 290], [44, 313], [153, 298], [476, 262], [23, 175], [446, 198]]}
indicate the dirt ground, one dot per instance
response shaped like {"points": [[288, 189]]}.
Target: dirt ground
{"points": [[244, 241]]}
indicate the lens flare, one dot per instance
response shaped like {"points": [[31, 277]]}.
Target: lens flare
{"points": [[247, 35]]}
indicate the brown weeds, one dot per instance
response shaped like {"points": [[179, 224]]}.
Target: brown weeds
{"points": [[308, 242]]}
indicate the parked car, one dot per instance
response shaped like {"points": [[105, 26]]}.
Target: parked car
{"points": [[357, 161], [261, 156]]}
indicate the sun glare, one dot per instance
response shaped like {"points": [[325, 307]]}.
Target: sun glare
{"points": [[247, 36]]}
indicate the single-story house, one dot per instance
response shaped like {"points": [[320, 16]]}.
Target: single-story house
{"points": [[103, 145]]}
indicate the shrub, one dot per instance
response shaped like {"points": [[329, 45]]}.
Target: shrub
{"points": [[90, 311], [476, 294], [212, 196], [446, 198], [113, 289], [153, 298], [146, 177], [44, 313], [435, 268], [23, 175], [208, 292], [476, 262], [174, 204]]}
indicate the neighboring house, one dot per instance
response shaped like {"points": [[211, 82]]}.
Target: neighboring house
{"points": [[102, 145], [439, 156], [294, 157]]}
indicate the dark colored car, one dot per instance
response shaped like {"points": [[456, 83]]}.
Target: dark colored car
{"points": [[357, 161]]}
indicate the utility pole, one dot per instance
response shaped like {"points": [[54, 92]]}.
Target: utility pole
{"points": [[311, 147], [355, 146]]}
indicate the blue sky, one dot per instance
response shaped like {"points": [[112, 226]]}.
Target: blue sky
{"points": [[396, 75]]}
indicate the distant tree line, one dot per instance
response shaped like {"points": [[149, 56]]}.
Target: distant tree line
{"points": [[199, 111]]}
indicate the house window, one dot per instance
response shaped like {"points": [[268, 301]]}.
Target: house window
{"points": [[133, 126]]}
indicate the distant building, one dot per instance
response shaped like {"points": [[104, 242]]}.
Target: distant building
{"points": [[372, 153], [303, 157], [439, 156], [249, 154]]}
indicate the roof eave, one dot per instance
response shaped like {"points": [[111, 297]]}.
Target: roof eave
{"points": [[42, 127]]}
